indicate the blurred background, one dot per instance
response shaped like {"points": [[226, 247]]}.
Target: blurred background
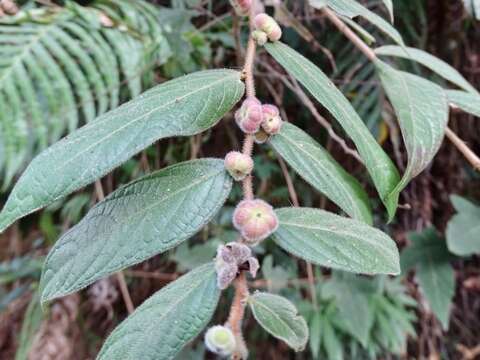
{"points": [[63, 63]]}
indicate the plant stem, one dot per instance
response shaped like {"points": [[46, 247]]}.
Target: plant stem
{"points": [[471, 157], [237, 310], [294, 197]]}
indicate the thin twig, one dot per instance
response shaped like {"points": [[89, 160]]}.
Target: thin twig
{"points": [[120, 277], [296, 203], [471, 157]]}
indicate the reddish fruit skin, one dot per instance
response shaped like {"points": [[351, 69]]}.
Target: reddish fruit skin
{"points": [[268, 25], [242, 7], [250, 115], [272, 122], [255, 219]]}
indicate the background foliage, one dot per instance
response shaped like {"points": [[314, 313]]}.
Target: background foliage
{"points": [[62, 66]]}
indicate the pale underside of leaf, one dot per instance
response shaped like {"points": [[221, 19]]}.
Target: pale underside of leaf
{"points": [[326, 239], [164, 323], [422, 112], [313, 163], [352, 8], [468, 102], [181, 107], [381, 168], [142, 219], [280, 318], [431, 62]]}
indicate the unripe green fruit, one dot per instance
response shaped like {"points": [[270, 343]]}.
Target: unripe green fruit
{"points": [[220, 340], [238, 165]]}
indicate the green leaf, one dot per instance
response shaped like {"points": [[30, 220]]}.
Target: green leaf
{"points": [[389, 6], [463, 230], [422, 112], [435, 276], [30, 325], [468, 102], [314, 164], [142, 219], [366, 36], [331, 342], [383, 172], [431, 62], [181, 107], [316, 332], [351, 299], [163, 324], [330, 240], [280, 318], [351, 9]]}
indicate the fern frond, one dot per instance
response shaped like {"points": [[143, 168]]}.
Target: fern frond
{"points": [[60, 67]]}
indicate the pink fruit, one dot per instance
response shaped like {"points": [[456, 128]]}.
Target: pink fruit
{"points": [[268, 25], [272, 122], [242, 7], [250, 115], [255, 219]]}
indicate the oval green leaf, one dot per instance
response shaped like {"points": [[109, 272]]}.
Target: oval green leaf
{"points": [[468, 102], [381, 168], [314, 164], [429, 61], [280, 318], [326, 239], [168, 320], [422, 112], [136, 222], [181, 107]]}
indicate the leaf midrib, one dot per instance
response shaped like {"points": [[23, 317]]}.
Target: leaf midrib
{"points": [[259, 303], [170, 307], [339, 232], [178, 99], [344, 189]]}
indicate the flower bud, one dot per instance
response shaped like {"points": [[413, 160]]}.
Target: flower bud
{"points": [[220, 340], [260, 37], [238, 165], [255, 219], [268, 25], [242, 7], [272, 122], [250, 115]]}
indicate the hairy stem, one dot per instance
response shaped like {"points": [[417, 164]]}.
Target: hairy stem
{"points": [[237, 310], [471, 157]]}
